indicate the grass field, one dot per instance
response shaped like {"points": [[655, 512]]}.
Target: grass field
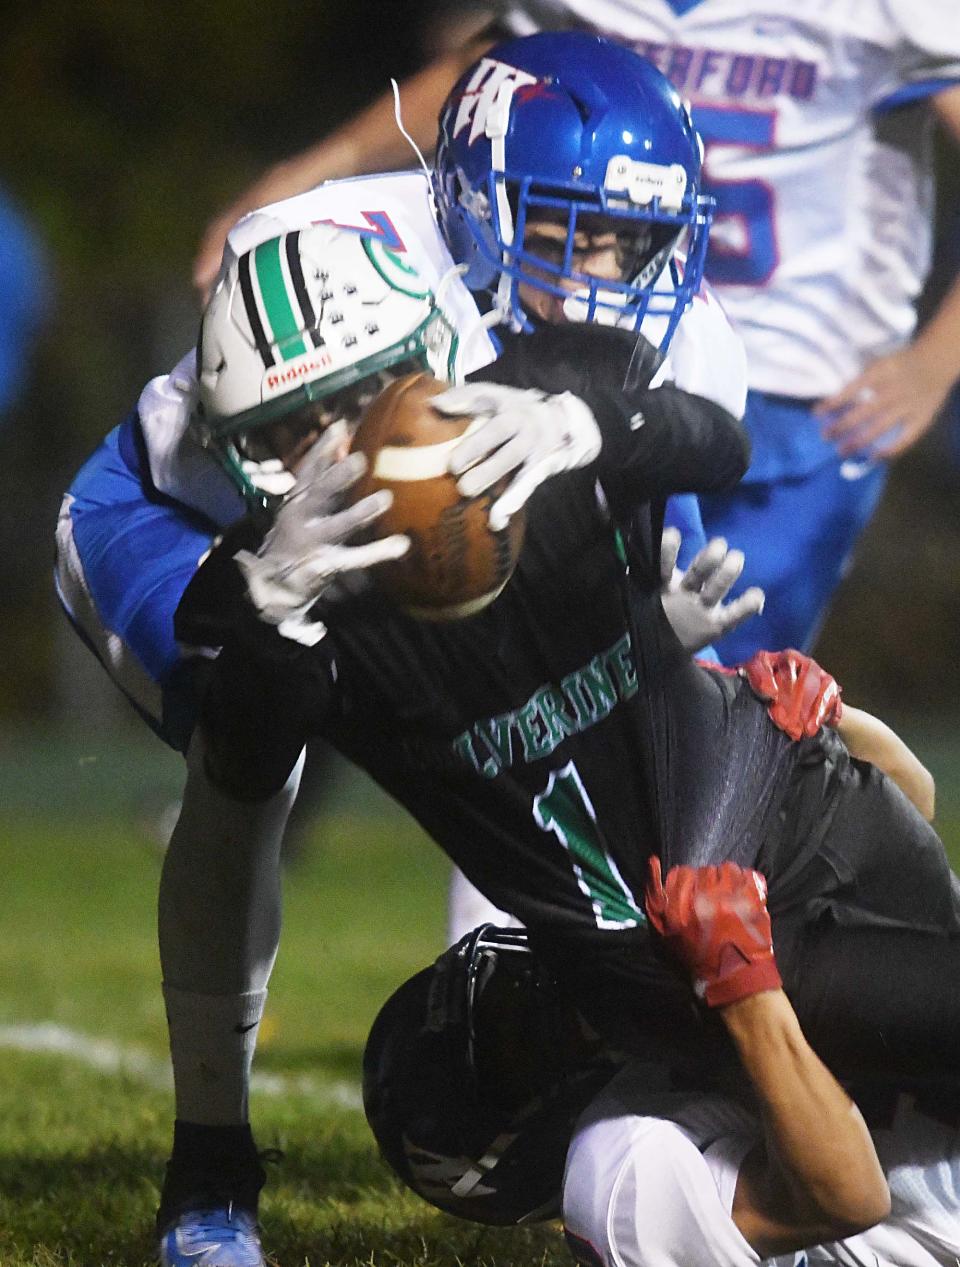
{"points": [[85, 1103]]}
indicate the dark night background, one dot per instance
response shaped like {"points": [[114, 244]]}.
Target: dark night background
{"points": [[125, 128]]}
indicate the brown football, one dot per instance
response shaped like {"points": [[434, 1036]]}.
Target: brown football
{"points": [[456, 565]]}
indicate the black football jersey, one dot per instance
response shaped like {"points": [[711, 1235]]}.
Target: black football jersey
{"points": [[525, 739], [551, 742]]}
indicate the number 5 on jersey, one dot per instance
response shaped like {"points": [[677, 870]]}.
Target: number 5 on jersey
{"points": [[743, 242]]}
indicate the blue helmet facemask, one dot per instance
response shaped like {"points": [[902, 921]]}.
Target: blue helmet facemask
{"points": [[582, 134]]}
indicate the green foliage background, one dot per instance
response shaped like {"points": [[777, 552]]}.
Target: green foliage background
{"points": [[127, 126]]}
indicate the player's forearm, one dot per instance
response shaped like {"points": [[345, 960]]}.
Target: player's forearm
{"points": [[938, 343], [869, 739], [654, 442], [684, 444], [214, 600], [368, 142], [258, 712], [821, 1172], [255, 703], [371, 140]]}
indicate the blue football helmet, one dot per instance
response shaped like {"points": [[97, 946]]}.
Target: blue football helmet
{"points": [[578, 130], [474, 1075]]}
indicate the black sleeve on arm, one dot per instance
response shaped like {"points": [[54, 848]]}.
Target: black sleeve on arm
{"points": [[215, 599], [265, 694], [654, 442], [670, 442], [256, 717]]}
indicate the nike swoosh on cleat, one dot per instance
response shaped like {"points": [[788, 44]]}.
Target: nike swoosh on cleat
{"points": [[185, 1252], [243, 1029]]}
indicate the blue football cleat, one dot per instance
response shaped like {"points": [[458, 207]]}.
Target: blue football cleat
{"points": [[221, 1237]]}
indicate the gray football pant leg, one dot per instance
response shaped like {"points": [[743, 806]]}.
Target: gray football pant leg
{"points": [[219, 909]]}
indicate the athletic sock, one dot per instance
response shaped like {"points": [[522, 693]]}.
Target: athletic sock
{"points": [[212, 1041], [210, 1167]]}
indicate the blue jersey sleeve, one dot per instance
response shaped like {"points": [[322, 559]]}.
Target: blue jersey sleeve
{"points": [[683, 513], [124, 558]]}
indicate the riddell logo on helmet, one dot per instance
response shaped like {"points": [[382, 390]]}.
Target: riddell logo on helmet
{"points": [[642, 182], [283, 377], [481, 93]]}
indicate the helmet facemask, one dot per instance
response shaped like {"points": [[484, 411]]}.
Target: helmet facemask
{"points": [[650, 281], [622, 295]]}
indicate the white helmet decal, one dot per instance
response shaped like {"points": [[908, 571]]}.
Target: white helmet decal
{"points": [[482, 92]]}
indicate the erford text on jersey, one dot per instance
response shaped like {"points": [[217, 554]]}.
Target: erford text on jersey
{"points": [[724, 73]]}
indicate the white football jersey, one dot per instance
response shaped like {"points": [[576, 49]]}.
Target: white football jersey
{"points": [[822, 240], [921, 1159], [651, 1177], [705, 356], [651, 1174]]}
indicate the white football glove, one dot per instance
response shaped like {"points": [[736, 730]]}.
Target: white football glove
{"points": [[527, 434], [693, 600], [304, 551]]}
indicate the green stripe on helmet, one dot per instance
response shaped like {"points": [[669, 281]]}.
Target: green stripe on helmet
{"points": [[396, 272], [276, 300]]}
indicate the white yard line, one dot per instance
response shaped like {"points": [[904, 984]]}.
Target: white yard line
{"points": [[133, 1062]]}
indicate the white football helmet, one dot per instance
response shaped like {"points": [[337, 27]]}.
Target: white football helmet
{"points": [[318, 314]]}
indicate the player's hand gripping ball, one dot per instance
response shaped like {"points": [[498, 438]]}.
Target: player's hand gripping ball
{"points": [[456, 564]]}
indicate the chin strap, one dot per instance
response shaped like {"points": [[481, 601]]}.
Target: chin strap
{"points": [[498, 118], [405, 134]]}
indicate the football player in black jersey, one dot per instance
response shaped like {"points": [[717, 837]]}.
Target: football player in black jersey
{"points": [[616, 253], [554, 741]]}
